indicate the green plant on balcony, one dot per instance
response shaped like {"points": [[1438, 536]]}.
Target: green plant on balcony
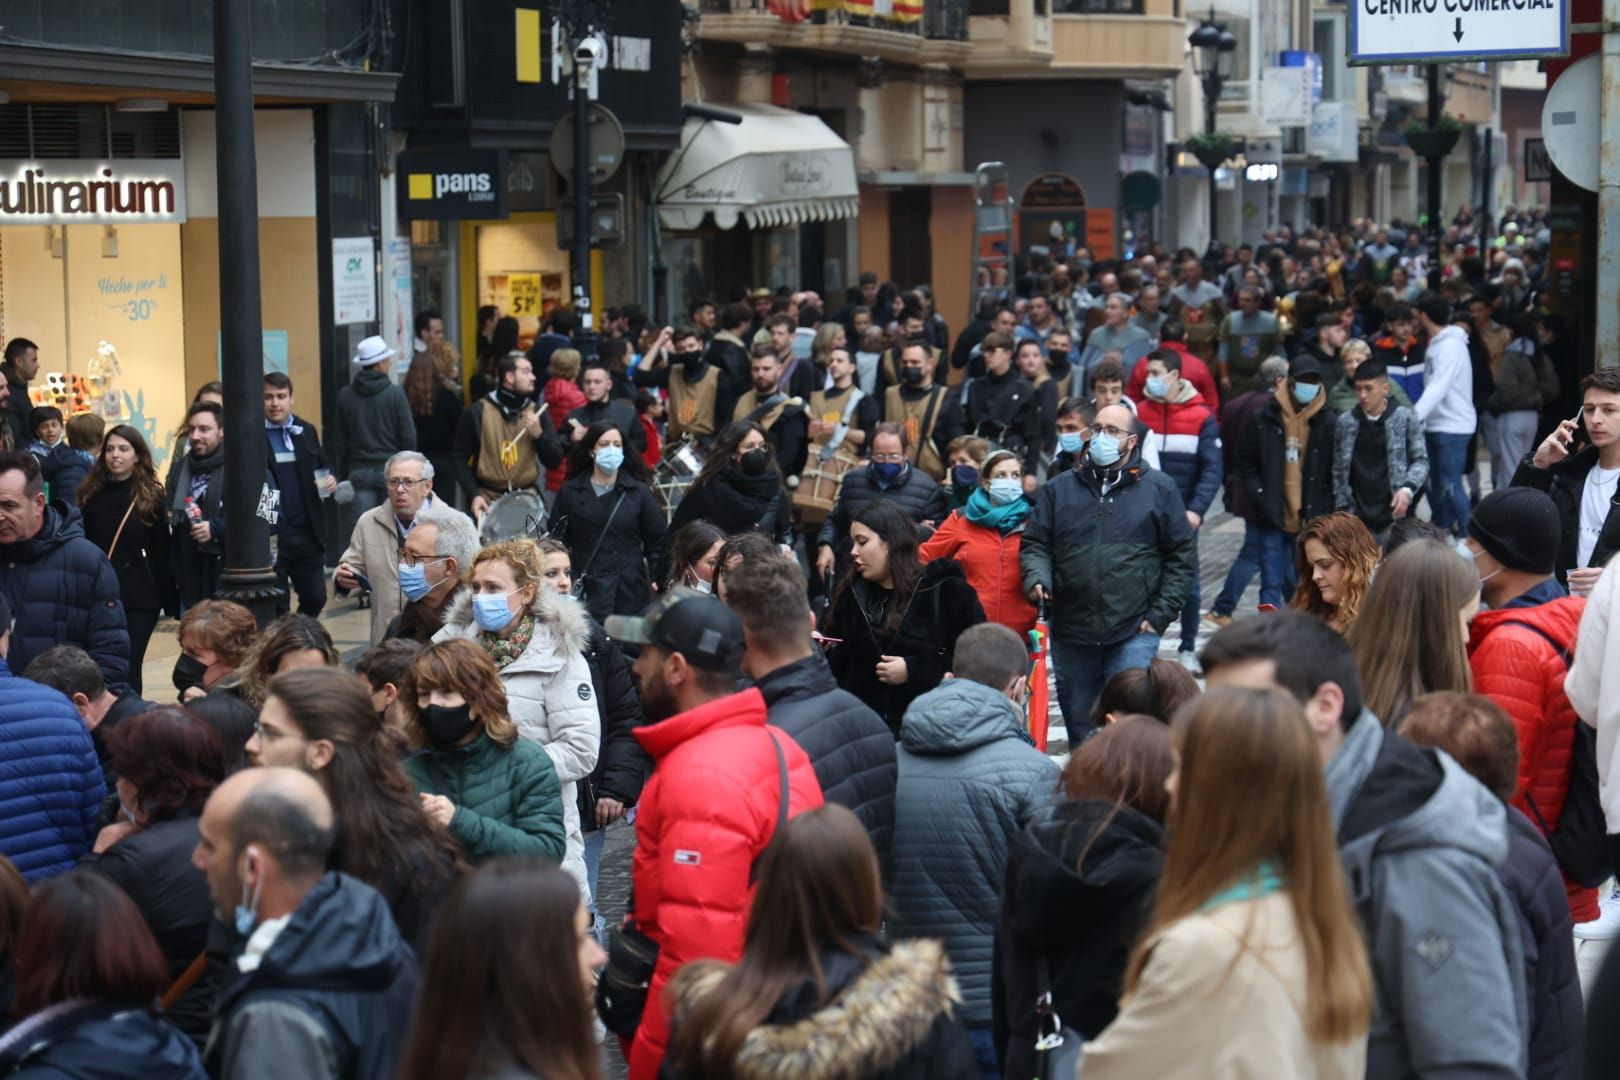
{"points": [[1432, 140], [1211, 148]]}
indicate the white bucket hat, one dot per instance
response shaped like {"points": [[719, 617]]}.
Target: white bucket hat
{"points": [[373, 350]]}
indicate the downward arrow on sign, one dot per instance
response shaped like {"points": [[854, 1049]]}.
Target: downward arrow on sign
{"points": [[1458, 32]]}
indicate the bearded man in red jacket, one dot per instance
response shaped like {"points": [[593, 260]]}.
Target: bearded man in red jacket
{"points": [[714, 800]]}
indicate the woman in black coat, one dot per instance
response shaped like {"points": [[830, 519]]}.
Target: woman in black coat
{"points": [[607, 515], [739, 490], [125, 516], [168, 763], [1079, 889], [816, 991], [895, 621]]}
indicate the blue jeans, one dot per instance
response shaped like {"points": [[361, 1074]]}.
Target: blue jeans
{"points": [[984, 1048], [1448, 460], [1083, 671], [1244, 568], [1191, 611], [1277, 574]]}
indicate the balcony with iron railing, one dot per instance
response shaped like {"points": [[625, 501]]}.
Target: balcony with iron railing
{"points": [[938, 34], [1076, 38]]}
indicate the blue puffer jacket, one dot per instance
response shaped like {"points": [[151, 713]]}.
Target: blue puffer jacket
{"points": [[50, 780], [62, 590], [96, 1040], [969, 783]]}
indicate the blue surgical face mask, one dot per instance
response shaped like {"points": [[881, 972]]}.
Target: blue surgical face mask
{"points": [[1305, 392], [247, 912], [1004, 489], [609, 458], [1156, 386], [491, 612], [413, 581], [1104, 449], [1071, 442], [887, 472]]}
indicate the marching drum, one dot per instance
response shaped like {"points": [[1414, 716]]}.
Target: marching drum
{"points": [[512, 516], [680, 466]]}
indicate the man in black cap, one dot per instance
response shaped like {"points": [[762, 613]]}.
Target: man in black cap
{"points": [[721, 785], [1285, 464], [1520, 652]]}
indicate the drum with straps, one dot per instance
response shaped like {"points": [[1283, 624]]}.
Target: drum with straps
{"points": [[514, 515], [677, 470], [819, 483]]}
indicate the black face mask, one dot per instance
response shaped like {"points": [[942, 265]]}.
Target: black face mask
{"points": [[188, 672], [446, 725], [913, 376], [756, 462], [692, 362]]}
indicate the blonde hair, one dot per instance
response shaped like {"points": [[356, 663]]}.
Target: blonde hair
{"points": [[1356, 347], [524, 556], [1346, 538], [565, 364], [1221, 833]]}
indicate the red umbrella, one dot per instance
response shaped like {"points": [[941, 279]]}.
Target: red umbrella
{"points": [[1038, 706]]}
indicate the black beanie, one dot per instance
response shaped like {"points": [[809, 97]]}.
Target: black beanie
{"points": [[1519, 528]]}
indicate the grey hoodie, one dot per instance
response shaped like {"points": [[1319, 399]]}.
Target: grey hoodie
{"points": [[1420, 841], [373, 422], [969, 781]]}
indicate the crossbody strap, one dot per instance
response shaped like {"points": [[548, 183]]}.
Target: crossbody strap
{"points": [[925, 433], [603, 535], [781, 801], [119, 534]]}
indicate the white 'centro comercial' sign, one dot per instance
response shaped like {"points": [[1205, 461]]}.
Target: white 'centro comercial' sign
{"points": [[1386, 31]]}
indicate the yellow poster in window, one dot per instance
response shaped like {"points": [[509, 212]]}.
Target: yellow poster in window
{"points": [[524, 291]]}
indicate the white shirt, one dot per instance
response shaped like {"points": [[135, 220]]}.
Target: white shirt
{"points": [[1447, 404], [1596, 499]]}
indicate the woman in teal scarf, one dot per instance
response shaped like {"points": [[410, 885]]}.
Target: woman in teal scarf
{"points": [[985, 536]]}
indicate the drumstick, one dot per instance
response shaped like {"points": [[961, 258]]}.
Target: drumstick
{"points": [[511, 447]]}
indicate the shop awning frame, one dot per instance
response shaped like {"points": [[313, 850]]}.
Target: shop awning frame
{"points": [[776, 168], [180, 74]]}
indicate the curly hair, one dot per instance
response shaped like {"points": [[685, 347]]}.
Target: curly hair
{"points": [[289, 634], [460, 667], [523, 555], [1353, 548], [220, 626]]}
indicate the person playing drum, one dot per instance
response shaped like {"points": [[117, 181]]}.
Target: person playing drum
{"points": [[503, 442]]}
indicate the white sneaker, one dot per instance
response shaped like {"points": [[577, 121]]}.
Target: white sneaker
{"points": [[1189, 660], [1607, 924]]}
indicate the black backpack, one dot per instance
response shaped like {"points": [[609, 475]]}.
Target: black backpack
{"points": [[1580, 842]]}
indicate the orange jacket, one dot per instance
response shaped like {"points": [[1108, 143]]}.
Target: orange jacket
{"points": [[990, 561], [1522, 672]]}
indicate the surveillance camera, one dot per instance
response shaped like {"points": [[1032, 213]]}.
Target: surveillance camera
{"points": [[589, 51]]}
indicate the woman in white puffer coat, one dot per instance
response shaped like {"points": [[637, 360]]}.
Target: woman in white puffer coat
{"points": [[537, 639]]}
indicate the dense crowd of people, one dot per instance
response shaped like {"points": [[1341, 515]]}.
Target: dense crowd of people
{"points": [[778, 586]]}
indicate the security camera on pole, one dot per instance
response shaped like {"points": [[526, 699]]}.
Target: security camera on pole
{"points": [[586, 54]]}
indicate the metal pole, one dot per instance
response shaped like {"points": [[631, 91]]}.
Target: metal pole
{"points": [[1212, 93], [248, 578], [585, 338], [1608, 281], [1437, 107], [1488, 230]]}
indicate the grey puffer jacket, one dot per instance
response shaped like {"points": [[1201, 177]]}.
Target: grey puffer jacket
{"points": [[969, 782], [1408, 454]]}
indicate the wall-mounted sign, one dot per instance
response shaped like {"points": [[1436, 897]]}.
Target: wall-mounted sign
{"points": [[453, 185], [354, 280], [74, 191]]}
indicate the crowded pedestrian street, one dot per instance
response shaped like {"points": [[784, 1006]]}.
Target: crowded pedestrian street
{"points": [[921, 540]]}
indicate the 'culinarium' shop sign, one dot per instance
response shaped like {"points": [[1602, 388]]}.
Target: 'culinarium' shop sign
{"points": [[70, 191]]}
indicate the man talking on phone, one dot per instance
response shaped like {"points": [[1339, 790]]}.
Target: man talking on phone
{"points": [[1579, 466]]}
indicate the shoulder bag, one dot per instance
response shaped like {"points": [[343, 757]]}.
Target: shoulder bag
{"points": [[621, 989], [1058, 1048], [578, 590]]}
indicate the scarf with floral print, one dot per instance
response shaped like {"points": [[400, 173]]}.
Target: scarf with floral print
{"points": [[504, 650]]}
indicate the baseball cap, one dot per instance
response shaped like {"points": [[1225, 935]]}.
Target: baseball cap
{"points": [[685, 621], [1303, 366]]}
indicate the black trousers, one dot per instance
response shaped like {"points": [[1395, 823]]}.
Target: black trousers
{"points": [[141, 624], [301, 562]]}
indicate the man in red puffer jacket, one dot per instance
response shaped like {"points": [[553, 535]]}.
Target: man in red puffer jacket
{"points": [[1519, 648], [714, 799]]}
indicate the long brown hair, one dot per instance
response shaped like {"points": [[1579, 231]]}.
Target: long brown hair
{"points": [[83, 937], [1221, 832], [382, 827], [461, 667], [293, 632], [422, 382], [1353, 548], [819, 888], [145, 490], [1409, 639], [500, 983], [1126, 763]]}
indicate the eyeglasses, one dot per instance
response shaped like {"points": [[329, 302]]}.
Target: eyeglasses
{"points": [[889, 457], [411, 558], [1115, 433], [400, 483]]}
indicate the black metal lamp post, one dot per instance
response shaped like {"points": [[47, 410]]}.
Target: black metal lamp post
{"points": [[1213, 47]]}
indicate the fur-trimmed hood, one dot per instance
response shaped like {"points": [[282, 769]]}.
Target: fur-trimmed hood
{"points": [[567, 629], [882, 1015]]}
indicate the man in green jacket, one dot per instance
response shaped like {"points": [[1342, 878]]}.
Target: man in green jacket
{"points": [[1110, 546]]}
